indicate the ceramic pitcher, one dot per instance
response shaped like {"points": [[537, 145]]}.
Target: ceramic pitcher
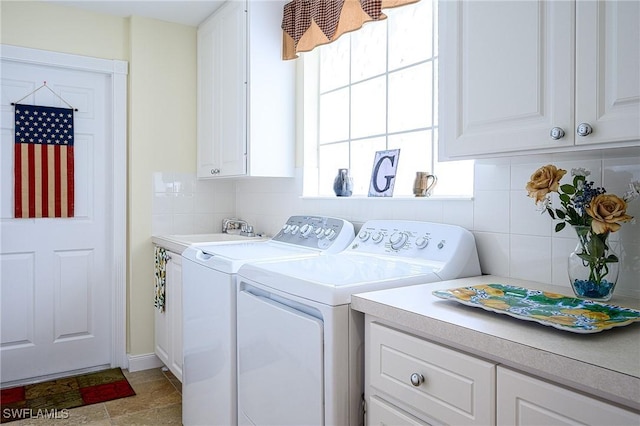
{"points": [[424, 183]]}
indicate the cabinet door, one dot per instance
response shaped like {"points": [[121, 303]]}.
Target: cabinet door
{"points": [[222, 92], [174, 301], [524, 400], [506, 76], [608, 70]]}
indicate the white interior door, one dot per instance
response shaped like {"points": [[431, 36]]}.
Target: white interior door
{"points": [[56, 273]]}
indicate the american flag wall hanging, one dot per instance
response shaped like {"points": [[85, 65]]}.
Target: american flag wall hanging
{"points": [[43, 162]]}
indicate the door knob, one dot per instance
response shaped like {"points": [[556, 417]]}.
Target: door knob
{"points": [[557, 133], [584, 129]]}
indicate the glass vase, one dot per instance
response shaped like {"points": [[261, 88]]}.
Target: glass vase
{"points": [[593, 265]]}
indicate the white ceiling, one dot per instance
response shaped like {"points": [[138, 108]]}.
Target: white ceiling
{"points": [[187, 12]]}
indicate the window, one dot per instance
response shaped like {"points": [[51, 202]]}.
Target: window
{"points": [[376, 89]]}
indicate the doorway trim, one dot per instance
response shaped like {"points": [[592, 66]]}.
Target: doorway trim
{"points": [[117, 70]]}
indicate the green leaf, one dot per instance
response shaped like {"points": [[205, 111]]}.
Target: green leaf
{"points": [[560, 213], [565, 198], [612, 258], [551, 213], [568, 189], [560, 226]]}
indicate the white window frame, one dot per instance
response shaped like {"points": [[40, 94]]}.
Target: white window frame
{"points": [[308, 110]]}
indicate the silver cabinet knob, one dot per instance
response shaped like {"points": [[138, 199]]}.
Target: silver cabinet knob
{"points": [[417, 379], [584, 129], [557, 133], [215, 171]]}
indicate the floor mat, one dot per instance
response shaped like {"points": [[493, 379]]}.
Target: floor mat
{"points": [[52, 399]]}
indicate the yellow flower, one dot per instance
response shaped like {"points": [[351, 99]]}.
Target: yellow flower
{"points": [[495, 304], [463, 293], [607, 211], [490, 290], [545, 180]]}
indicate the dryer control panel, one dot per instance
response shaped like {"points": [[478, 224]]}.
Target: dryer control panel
{"points": [[329, 234], [437, 242]]}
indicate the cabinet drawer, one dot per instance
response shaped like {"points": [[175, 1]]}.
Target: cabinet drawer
{"points": [[382, 413], [525, 400], [457, 388]]}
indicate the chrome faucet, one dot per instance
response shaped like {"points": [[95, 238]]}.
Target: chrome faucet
{"points": [[245, 229]]}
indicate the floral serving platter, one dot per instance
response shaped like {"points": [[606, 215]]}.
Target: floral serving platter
{"points": [[551, 309]]}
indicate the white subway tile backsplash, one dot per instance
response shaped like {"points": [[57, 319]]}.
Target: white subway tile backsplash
{"points": [[512, 237], [493, 251], [530, 258], [491, 211]]}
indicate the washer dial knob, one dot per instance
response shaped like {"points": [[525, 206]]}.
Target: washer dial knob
{"points": [[306, 230], [377, 237], [319, 233], [330, 234], [294, 229], [286, 228], [398, 240]]}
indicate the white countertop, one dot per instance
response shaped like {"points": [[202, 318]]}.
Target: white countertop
{"points": [[179, 243], [605, 364]]}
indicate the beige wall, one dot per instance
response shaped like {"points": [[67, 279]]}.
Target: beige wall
{"points": [[161, 115]]}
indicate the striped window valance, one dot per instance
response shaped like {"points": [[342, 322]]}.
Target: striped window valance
{"points": [[310, 23]]}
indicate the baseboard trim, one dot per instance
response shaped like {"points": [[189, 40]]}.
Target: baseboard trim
{"points": [[143, 362]]}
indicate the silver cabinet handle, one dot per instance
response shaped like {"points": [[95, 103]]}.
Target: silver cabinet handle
{"points": [[584, 129], [557, 133], [215, 171], [417, 379]]}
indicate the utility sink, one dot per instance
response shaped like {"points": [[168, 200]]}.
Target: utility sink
{"points": [[178, 243]]}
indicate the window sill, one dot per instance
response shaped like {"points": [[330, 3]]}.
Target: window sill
{"points": [[401, 198]]}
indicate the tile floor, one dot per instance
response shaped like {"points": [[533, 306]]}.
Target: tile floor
{"points": [[158, 401]]}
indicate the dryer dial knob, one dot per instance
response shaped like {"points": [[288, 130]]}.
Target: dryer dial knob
{"points": [[377, 237], [422, 242], [398, 240], [286, 229], [294, 229], [319, 233]]}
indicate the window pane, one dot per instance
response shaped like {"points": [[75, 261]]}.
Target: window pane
{"points": [[410, 39], [410, 98], [334, 64], [332, 158], [369, 51], [334, 116], [435, 93], [415, 156], [362, 155], [454, 177], [368, 108]]}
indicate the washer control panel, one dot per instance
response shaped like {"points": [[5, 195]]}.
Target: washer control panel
{"points": [[318, 232]]}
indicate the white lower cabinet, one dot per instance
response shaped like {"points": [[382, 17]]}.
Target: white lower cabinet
{"points": [[168, 324], [412, 381], [525, 400]]}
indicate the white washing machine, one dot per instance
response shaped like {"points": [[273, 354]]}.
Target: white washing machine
{"points": [[300, 346], [209, 392]]}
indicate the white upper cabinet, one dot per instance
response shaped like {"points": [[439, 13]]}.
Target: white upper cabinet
{"points": [[520, 77], [608, 70], [246, 93]]}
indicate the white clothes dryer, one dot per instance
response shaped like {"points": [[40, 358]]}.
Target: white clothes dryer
{"points": [[300, 346], [209, 309]]}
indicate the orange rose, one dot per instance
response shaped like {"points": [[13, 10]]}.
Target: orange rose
{"points": [[607, 211], [545, 180]]}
